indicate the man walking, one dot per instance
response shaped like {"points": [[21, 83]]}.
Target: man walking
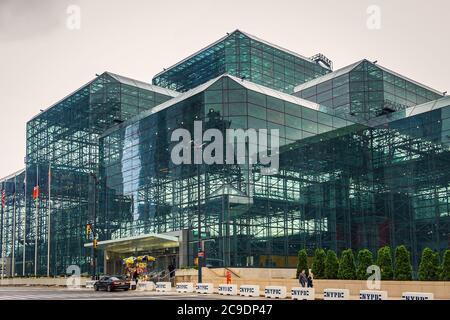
{"points": [[302, 279]]}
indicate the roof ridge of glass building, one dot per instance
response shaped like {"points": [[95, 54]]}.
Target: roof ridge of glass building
{"points": [[327, 76], [227, 36], [411, 111], [244, 83], [143, 85], [352, 66], [119, 78], [12, 175]]}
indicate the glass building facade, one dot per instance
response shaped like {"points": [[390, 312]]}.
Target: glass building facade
{"points": [[62, 159], [366, 90], [244, 56], [364, 162]]}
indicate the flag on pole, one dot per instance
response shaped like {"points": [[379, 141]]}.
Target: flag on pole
{"points": [[36, 192], [3, 198]]}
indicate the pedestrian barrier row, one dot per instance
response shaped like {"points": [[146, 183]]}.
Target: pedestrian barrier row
{"points": [[273, 292]]}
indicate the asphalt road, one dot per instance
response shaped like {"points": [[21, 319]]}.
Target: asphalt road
{"points": [[49, 293]]}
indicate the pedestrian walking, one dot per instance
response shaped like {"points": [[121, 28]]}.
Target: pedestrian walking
{"points": [[302, 279], [309, 280]]}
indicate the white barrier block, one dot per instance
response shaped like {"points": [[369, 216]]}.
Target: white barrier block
{"points": [[372, 295], [163, 286], [90, 283], [145, 286], [185, 287], [299, 293], [249, 290], [204, 288], [417, 296], [227, 289], [336, 294], [275, 292]]}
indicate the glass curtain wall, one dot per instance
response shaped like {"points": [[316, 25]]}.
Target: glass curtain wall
{"points": [[243, 56]]}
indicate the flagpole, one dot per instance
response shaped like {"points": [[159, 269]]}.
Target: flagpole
{"points": [[36, 223], [24, 221], [48, 216], [13, 254], [3, 233]]}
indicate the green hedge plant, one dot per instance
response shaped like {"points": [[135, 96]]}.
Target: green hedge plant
{"points": [[384, 261], [403, 268], [302, 263], [318, 266], [347, 268], [445, 268], [331, 265], [429, 266], [365, 260]]}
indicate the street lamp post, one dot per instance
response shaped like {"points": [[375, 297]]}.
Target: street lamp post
{"points": [[199, 227], [94, 233]]}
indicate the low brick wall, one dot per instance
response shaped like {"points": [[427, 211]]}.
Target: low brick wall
{"points": [[261, 277], [39, 281]]}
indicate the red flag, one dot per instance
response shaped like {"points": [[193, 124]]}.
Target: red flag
{"points": [[3, 198], [36, 192]]}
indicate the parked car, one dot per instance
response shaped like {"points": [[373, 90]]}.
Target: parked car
{"points": [[111, 283]]}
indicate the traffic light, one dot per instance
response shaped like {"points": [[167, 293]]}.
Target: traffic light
{"points": [[88, 229], [95, 243]]}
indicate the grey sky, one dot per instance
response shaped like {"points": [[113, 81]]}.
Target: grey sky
{"points": [[41, 60]]}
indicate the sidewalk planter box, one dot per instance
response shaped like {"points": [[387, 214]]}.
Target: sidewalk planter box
{"points": [[336, 294], [184, 287], [248, 290], [300, 293], [372, 295], [227, 289], [417, 296], [163, 286], [277, 292], [204, 288]]}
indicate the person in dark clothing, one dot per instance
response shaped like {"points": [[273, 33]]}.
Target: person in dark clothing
{"points": [[302, 279], [309, 280], [171, 269]]}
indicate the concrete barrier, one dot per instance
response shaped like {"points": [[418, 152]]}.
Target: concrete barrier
{"points": [[227, 289], [145, 286], [277, 292], [336, 294], [185, 287], [163, 287], [417, 296], [299, 293], [90, 284], [204, 288], [372, 295], [247, 290]]}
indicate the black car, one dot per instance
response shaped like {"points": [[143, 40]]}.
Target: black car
{"points": [[111, 283]]}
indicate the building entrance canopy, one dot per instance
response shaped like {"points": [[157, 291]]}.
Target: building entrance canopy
{"points": [[140, 243]]}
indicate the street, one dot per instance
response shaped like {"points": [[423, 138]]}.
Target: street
{"points": [[54, 293]]}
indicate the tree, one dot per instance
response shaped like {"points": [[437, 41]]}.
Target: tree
{"points": [[429, 266], [384, 261], [445, 268], [403, 268], [365, 260], [302, 263], [331, 265], [347, 269], [318, 266]]}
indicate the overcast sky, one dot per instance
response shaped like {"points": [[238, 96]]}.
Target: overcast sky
{"points": [[42, 59]]}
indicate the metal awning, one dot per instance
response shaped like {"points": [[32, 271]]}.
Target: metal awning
{"points": [[145, 242]]}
